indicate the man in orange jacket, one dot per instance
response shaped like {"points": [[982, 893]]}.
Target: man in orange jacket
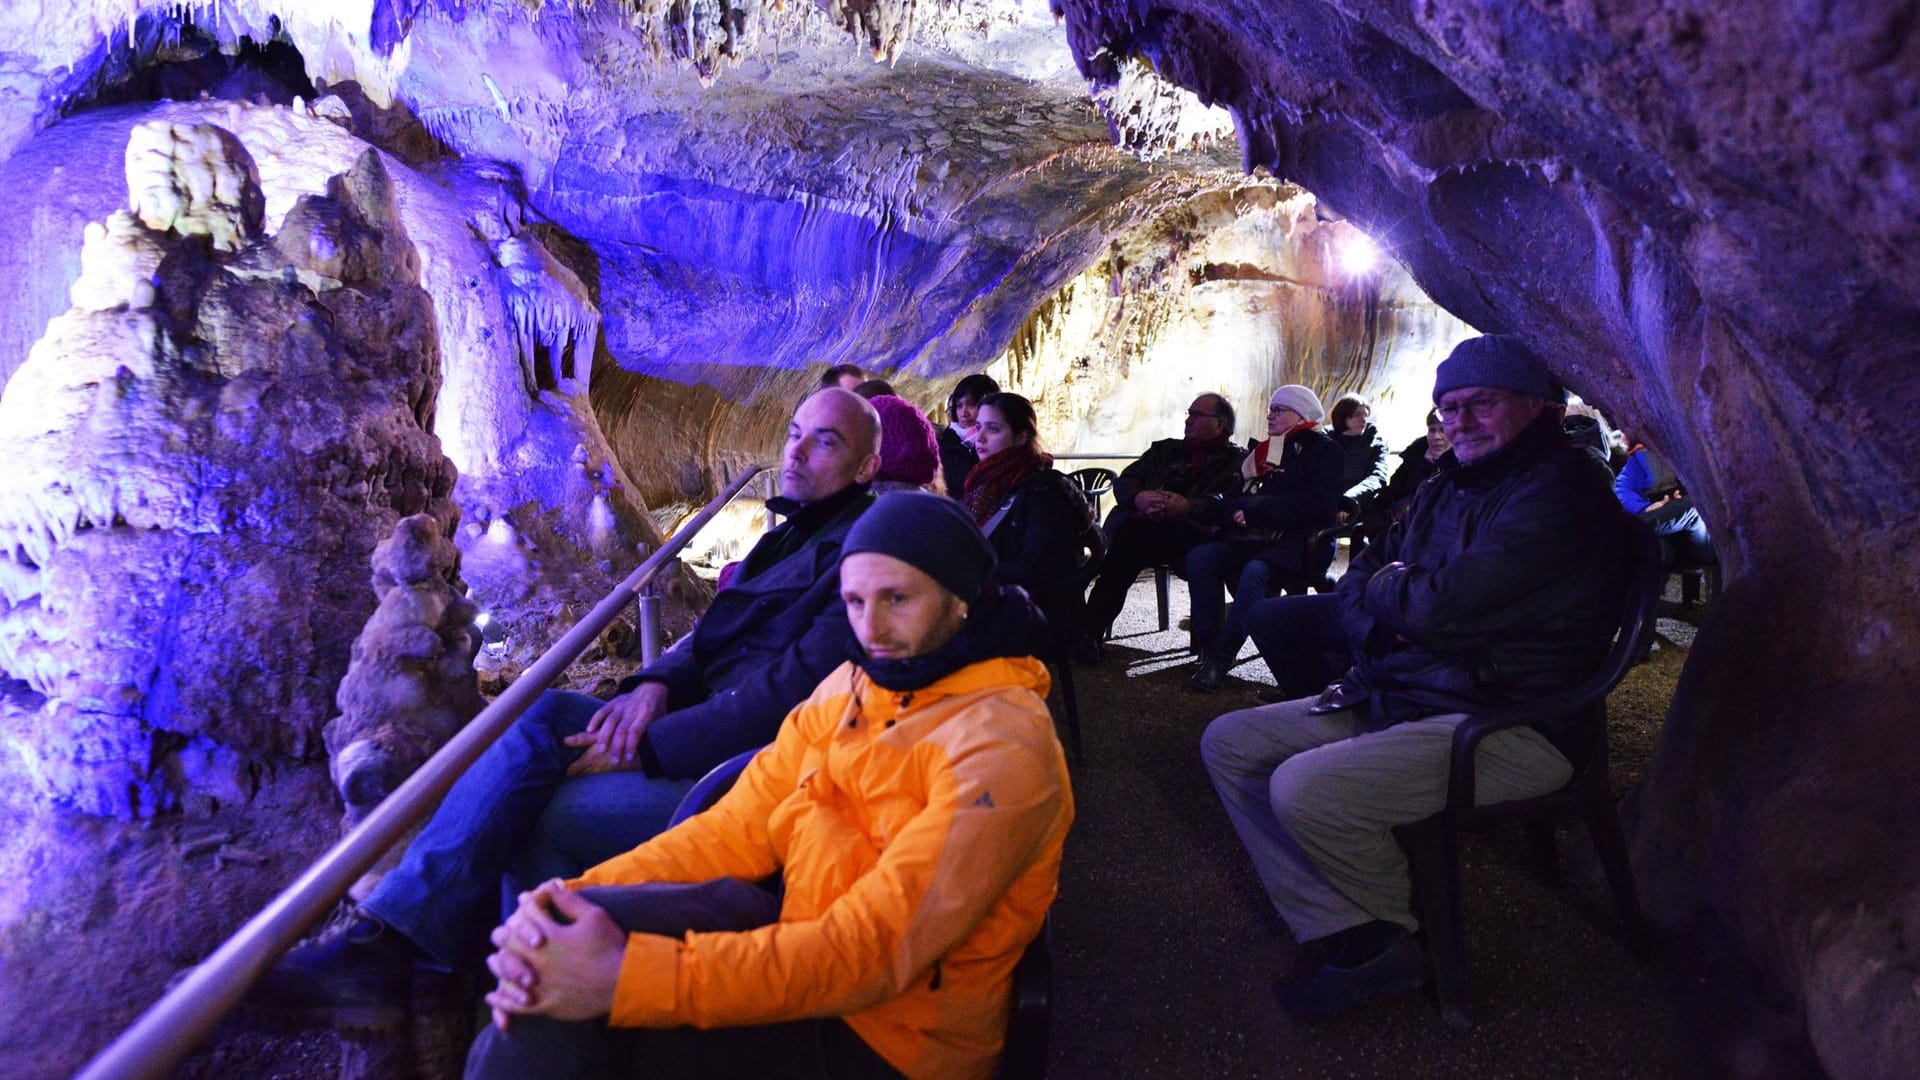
{"points": [[914, 805]]}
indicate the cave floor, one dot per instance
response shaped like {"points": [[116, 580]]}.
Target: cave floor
{"points": [[1164, 946]]}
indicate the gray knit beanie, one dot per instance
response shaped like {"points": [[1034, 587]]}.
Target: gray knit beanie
{"points": [[1494, 360]]}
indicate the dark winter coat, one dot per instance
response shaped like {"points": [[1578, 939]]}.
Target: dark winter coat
{"points": [[759, 650], [1502, 584], [957, 459], [1039, 541], [1164, 468], [1364, 469], [1413, 471], [1301, 493]]}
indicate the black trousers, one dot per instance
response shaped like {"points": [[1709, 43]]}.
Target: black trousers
{"points": [[1136, 543], [814, 1049]]}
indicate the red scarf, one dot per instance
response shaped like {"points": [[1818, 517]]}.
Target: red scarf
{"points": [[1262, 465], [990, 482]]}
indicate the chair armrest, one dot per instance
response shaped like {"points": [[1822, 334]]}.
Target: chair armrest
{"points": [[1476, 727]]}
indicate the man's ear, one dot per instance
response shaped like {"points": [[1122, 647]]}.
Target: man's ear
{"points": [[868, 469]]}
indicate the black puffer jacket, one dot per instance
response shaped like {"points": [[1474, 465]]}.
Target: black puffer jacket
{"points": [[1365, 468], [1413, 471], [1164, 468], [1038, 540], [1502, 584]]}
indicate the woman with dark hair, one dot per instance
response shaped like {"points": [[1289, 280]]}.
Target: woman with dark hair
{"points": [[1365, 472], [1032, 515], [957, 453]]}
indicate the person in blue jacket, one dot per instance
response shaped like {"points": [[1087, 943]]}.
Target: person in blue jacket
{"points": [[1648, 488], [610, 772]]}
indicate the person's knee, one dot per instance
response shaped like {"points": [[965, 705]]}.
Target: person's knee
{"points": [[556, 714], [1303, 796], [1232, 744]]}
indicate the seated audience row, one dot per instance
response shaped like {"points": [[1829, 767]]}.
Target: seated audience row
{"points": [[915, 619]]}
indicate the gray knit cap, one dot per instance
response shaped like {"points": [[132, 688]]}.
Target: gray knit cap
{"points": [[1495, 360]]}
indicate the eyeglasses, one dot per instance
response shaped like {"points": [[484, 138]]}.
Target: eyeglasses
{"points": [[1478, 407], [1191, 415]]}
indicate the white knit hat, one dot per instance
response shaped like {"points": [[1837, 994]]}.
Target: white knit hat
{"points": [[1300, 400]]}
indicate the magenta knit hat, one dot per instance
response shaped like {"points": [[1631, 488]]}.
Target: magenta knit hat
{"points": [[909, 450]]}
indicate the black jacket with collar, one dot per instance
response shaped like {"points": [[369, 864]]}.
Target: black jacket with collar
{"points": [[1503, 583]]}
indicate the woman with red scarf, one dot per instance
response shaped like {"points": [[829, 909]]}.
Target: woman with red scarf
{"points": [[1291, 488], [1031, 514]]}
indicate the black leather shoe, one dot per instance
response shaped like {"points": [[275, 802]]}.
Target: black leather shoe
{"points": [[1207, 679], [355, 977], [1088, 650], [1401, 967]]}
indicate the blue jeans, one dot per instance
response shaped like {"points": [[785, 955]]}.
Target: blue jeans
{"points": [[515, 811], [1211, 570]]}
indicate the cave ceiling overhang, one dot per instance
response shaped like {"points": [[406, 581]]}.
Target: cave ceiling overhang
{"points": [[898, 186]]}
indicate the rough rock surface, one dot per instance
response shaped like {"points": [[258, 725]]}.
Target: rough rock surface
{"points": [[410, 683], [201, 450], [202, 454]]}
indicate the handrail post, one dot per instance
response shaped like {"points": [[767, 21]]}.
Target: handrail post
{"points": [[172, 1026], [649, 624]]}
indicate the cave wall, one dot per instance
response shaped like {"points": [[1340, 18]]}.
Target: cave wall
{"points": [[1237, 291]]}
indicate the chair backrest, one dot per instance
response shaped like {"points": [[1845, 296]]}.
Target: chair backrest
{"points": [[1639, 608], [707, 790], [1093, 480]]}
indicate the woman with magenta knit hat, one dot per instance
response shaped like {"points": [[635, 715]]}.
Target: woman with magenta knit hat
{"points": [[1291, 485], [909, 449], [1030, 512]]}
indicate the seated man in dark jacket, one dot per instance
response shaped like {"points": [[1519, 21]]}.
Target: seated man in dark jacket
{"points": [[619, 767], [1152, 520], [1502, 584]]}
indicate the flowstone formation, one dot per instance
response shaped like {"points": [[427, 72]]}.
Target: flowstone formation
{"points": [[1704, 215], [204, 451], [410, 684]]}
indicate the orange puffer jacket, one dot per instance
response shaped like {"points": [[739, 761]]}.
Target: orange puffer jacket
{"points": [[920, 836]]}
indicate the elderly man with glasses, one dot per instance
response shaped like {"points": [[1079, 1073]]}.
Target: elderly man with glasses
{"points": [[1501, 585], [1151, 523]]}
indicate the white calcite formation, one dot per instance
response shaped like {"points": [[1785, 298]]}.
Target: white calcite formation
{"points": [[195, 472]]}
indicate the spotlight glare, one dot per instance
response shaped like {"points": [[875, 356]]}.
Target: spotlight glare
{"points": [[1356, 253]]}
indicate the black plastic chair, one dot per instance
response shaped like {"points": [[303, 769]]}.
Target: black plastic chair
{"points": [[1093, 545], [1431, 844], [1093, 482], [1024, 1057]]}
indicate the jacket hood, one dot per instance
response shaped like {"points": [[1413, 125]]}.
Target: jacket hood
{"points": [[1003, 623]]}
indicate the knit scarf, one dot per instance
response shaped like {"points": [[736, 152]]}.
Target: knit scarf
{"points": [[1262, 464], [990, 482]]}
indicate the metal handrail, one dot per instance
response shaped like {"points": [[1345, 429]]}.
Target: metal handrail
{"points": [[174, 1025]]}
